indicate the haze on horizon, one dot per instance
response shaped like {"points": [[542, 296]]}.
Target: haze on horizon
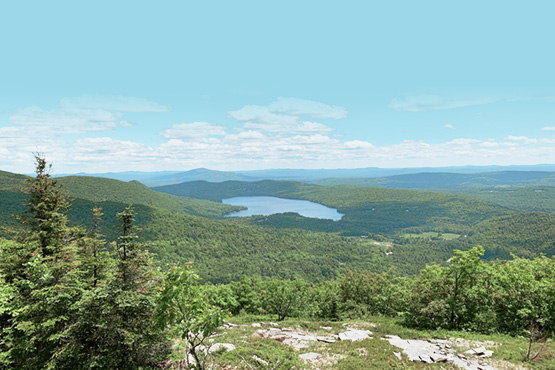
{"points": [[110, 87]]}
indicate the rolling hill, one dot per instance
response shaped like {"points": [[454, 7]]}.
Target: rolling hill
{"points": [[96, 189], [179, 229]]}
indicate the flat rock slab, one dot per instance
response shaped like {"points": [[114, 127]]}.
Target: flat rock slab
{"points": [[416, 350], [355, 334], [297, 339], [431, 352]]}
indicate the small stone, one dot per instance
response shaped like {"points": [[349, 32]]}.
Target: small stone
{"points": [[486, 354], [325, 339], [258, 359], [476, 351], [326, 327], [256, 325], [219, 346], [438, 357]]}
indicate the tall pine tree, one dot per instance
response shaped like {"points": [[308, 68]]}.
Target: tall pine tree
{"points": [[70, 303]]}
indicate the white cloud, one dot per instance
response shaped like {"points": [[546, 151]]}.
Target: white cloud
{"points": [[253, 149], [287, 110], [517, 138], [426, 102], [284, 133], [285, 116], [550, 128], [245, 136], [358, 144], [301, 107], [193, 130]]}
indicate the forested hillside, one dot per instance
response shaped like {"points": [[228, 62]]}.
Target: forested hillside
{"points": [[529, 198], [366, 209], [290, 245], [109, 306], [97, 189], [223, 250]]}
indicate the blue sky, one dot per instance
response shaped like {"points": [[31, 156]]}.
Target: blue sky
{"points": [[174, 85]]}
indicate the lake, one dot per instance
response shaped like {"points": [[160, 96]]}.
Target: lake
{"points": [[271, 205]]}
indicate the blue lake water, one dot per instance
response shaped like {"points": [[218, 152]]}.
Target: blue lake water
{"points": [[271, 205]]}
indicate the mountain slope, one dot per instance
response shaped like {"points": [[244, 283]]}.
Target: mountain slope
{"points": [[11, 181], [97, 189], [530, 198], [524, 234]]}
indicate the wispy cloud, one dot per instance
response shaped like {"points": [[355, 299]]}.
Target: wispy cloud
{"points": [[426, 102], [301, 107], [449, 126], [193, 130], [70, 121], [305, 127], [81, 115], [261, 115]]}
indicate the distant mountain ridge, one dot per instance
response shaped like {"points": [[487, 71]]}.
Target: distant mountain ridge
{"points": [[301, 175], [450, 180]]}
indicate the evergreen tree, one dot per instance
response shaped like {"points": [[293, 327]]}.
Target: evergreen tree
{"points": [[128, 308], [45, 280], [46, 210], [67, 302]]}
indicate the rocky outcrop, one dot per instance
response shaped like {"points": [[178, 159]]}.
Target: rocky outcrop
{"points": [[299, 339], [440, 351]]}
